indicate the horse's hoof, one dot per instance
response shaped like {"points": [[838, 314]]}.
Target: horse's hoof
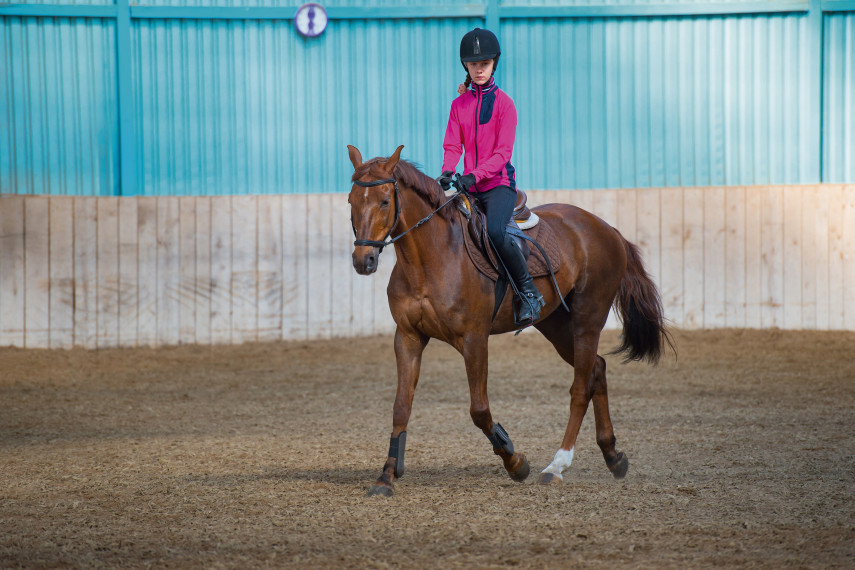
{"points": [[521, 472], [620, 467], [380, 491], [549, 479]]}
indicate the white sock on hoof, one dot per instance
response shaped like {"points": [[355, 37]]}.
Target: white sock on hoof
{"points": [[563, 459]]}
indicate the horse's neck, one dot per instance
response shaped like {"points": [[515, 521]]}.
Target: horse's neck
{"points": [[430, 245]]}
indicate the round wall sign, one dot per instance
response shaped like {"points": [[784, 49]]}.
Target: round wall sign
{"points": [[311, 20]]}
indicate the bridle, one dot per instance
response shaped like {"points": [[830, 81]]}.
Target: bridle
{"points": [[382, 243], [386, 239]]}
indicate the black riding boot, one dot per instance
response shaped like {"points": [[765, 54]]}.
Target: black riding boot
{"points": [[532, 300]]}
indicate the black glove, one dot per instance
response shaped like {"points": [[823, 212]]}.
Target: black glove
{"points": [[445, 179], [466, 182]]}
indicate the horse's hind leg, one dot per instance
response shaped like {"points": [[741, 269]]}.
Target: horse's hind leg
{"points": [[589, 382], [616, 461], [474, 350]]}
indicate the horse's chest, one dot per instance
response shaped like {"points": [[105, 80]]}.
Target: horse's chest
{"points": [[430, 315]]}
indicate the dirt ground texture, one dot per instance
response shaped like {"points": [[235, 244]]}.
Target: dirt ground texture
{"points": [[742, 454]]}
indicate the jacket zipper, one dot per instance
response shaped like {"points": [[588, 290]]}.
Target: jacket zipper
{"points": [[477, 119]]}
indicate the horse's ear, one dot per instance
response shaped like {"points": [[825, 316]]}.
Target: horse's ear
{"points": [[393, 160], [355, 156]]}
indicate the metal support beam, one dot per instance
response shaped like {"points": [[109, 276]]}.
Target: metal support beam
{"points": [[125, 97], [654, 10], [492, 16], [287, 12], [58, 10], [815, 32], [490, 10], [838, 5]]}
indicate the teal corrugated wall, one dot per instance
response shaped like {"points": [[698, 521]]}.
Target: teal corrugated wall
{"points": [[627, 102], [247, 106], [58, 122], [839, 98], [251, 107]]}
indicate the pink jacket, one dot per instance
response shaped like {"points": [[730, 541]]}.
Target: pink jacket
{"points": [[484, 122]]}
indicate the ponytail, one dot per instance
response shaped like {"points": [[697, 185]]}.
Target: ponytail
{"points": [[468, 81]]}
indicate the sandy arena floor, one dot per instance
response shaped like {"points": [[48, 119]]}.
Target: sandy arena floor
{"points": [[742, 454]]}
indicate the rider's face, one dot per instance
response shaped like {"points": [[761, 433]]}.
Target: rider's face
{"points": [[480, 71]]}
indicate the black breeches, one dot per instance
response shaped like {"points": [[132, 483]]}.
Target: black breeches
{"points": [[498, 204]]}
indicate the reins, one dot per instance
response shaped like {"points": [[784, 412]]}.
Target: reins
{"points": [[386, 239]]}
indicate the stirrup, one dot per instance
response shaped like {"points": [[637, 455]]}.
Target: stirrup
{"points": [[534, 303]]}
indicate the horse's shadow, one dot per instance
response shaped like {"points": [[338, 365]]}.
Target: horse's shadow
{"points": [[435, 476]]}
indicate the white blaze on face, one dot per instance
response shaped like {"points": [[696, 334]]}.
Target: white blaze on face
{"points": [[563, 459]]}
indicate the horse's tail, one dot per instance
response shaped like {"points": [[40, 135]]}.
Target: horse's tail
{"points": [[640, 309]]}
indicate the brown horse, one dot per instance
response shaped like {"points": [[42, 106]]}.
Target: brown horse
{"points": [[435, 291]]}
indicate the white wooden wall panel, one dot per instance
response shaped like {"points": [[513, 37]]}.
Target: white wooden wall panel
{"points": [[128, 272], [203, 269], [821, 231], [836, 257], [85, 272], [12, 271], [221, 270], [168, 259], [99, 272], [693, 257], [107, 286], [269, 268], [714, 274], [187, 256], [244, 269], [771, 239], [753, 260], [342, 273], [319, 273], [147, 271], [792, 259], [61, 303], [295, 265], [37, 271], [682, 255], [849, 258], [734, 257]]}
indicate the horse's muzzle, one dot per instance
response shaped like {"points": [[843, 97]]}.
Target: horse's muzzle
{"points": [[366, 263]]}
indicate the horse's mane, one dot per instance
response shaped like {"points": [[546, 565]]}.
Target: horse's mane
{"points": [[406, 173]]}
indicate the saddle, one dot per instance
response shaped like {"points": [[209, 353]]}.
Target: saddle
{"points": [[523, 226]]}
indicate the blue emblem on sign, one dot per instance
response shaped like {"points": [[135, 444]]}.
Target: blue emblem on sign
{"points": [[311, 20]]}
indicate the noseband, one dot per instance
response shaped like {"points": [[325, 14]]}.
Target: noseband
{"points": [[386, 240]]}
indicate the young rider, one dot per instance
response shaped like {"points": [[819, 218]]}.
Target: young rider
{"points": [[483, 121]]}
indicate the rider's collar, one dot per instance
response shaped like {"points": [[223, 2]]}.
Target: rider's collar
{"points": [[484, 89]]}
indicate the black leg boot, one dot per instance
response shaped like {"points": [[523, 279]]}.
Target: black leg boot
{"points": [[532, 300]]}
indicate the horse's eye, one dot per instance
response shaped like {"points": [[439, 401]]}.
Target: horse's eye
{"points": [[384, 203]]}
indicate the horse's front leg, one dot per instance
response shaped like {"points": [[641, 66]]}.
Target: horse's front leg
{"points": [[475, 355], [409, 346]]}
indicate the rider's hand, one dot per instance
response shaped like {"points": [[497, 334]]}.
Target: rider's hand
{"points": [[445, 179], [466, 182]]}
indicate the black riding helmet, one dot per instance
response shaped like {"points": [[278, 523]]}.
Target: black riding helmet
{"points": [[479, 45]]}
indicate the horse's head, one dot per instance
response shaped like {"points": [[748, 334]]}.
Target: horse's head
{"points": [[374, 207]]}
